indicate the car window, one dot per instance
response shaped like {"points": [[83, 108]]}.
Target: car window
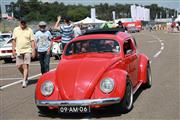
{"points": [[87, 46], [128, 47], [135, 43]]}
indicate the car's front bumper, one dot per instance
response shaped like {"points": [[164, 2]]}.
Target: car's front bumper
{"points": [[88, 102], [6, 55]]}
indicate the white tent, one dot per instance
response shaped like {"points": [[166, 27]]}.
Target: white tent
{"points": [[89, 20], [177, 19]]}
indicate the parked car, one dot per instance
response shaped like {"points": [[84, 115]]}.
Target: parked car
{"points": [[5, 49], [97, 69], [132, 29]]}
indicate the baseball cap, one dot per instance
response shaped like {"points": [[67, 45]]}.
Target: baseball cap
{"points": [[120, 23], [42, 23], [22, 21]]}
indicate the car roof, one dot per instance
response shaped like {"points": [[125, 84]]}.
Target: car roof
{"points": [[104, 31], [104, 34], [5, 33]]}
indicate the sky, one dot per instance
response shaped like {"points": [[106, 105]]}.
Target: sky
{"points": [[175, 4]]}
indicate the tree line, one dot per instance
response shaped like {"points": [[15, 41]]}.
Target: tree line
{"points": [[35, 10]]}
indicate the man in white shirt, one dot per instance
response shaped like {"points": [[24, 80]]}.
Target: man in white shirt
{"points": [[44, 44]]}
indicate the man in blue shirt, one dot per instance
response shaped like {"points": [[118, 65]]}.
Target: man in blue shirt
{"points": [[66, 29], [44, 44]]}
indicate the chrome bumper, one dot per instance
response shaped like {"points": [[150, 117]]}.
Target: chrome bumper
{"points": [[88, 102]]}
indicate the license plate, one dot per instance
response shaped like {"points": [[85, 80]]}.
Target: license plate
{"points": [[74, 109]]}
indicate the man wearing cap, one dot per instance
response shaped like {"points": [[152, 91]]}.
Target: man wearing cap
{"points": [[23, 45], [66, 29], [43, 44], [120, 25]]}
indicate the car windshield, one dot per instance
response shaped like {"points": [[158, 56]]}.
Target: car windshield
{"points": [[6, 36], [1, 39], [87, 46]]}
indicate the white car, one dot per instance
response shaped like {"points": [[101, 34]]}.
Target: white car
{"points": [[6, 47]]}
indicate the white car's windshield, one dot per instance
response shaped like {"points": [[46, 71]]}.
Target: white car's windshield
{"points": [[87, 46], [6, 36], [1, 39]]}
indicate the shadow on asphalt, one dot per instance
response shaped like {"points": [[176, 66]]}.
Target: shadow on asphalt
{"points": [[10, 62], [32, 81], [106, 112]]}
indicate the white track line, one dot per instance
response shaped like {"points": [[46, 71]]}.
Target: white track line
{"points": [[157, 54], [161, 43], [162, 46], [151, 41], [6, 79], [17, 82]]}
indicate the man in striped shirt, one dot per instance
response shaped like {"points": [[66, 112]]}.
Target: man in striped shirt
{"points": [[66, 29]]}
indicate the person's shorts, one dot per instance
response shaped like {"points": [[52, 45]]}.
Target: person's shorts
{"points": [[24, 58]]}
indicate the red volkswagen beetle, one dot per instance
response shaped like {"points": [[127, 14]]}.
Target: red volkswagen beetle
{"points": [[96, 70]]}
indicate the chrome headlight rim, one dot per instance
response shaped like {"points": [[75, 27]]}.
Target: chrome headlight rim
{"points": [[47, 93], [109, 79]]}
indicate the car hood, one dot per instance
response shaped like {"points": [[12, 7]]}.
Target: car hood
{"points": [[77, 77], [5, 44]]}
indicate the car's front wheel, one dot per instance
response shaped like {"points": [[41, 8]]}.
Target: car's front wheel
{"points": [[43, 109], [46, 110], [127, 101]]}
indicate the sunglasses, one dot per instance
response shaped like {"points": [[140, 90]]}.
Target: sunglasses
{"points": [[42, 26]]}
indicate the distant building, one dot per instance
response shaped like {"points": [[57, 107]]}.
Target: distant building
{"points": [[6, 8]]}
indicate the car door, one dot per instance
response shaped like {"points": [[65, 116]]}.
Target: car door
{"points": [[130, 59]]}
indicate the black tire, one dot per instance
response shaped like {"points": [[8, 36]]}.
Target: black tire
{"points": [[7, 60], [149, 77], [43, 109], [127, 101]]}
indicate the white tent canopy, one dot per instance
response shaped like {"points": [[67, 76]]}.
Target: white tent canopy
{"points": [[89, 20], [177, 19]]}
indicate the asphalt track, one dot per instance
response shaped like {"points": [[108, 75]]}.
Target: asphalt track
{"points": [[162, 101]]}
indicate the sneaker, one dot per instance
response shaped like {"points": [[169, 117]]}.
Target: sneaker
{"points": [[24, 83]]}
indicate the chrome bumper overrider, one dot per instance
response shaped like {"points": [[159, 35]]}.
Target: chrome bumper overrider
{"points": [[87, 102]]}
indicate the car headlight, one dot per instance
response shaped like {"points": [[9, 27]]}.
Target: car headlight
{"points": [[107, 85], [47, 88]]}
